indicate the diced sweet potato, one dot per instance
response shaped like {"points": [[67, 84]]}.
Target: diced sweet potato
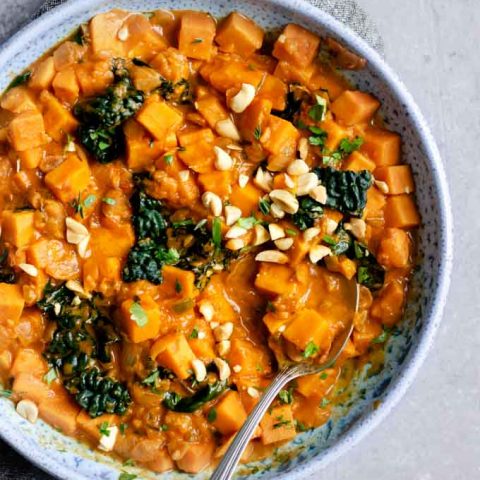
{"points": [[18, 227], [224, 74], [140, 319], [28, 360], [163, 462], [61, 413], [398, 178], [58, 120], [210, 107], [239, 34], [101, 274], [278, 425], [27, 130], [142, 149], [171, 64], [317, 385], [246, 198], [307, 326], [196, 34], [177, 283], [215, 294], [145, 78], [197, 149], [325, 78], [253, 359], [219, 182], [104, 33], [401, 212], [159, 118], [143, 40], [388, 306], [18, 100], [69, 179], [113, 242], [62, 261], [67, 54], [273, 322], [37, 253], [255, 118], [296, 45], [336, 133], [173, 352], [197, 457], [353, 107], [362, 338], [11, 303], [358, 162], [382, 146], [341, 264], [230, 413], [275, 90], [274, 279], [30, 159], [394, 250], [42, 74], [91, 426], [65, 85], [31, 387], [94, 77], [280, 142]]}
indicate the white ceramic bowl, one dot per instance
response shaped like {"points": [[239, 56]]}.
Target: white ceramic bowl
{"points": [[405, 352]]}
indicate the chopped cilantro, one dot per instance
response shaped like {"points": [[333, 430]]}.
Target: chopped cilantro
{"points": [[257, 133], [123, 427], [50, 376], [310, 350], [164, 427], [138, 315], [324, 402], [212, 415], [248, 222], [194, 333], [264, 206], [286, 396], [323, 375], [104, 429], [168, 159], [178, 286], [217, 233], [197, 40], [109, 201]]}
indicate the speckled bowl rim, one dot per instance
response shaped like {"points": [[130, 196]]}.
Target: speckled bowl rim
{"points": [[408, 371]]}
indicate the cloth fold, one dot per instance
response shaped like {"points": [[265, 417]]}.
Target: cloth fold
{"points": [[12, 465]]}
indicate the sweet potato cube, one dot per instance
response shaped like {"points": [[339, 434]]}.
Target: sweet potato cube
{"points": [[394, 249], [30, 387], [307, 326], [65, 85], [219, 182], [358, 162], [317, 385], [278, 425], [142, 149], [246, 198], [37, 253], [112, 242], [177, 283], [42, 74], [401, 212], [104, 33], [18, 100], [101, 273], [91, 426], [140, 319], [173, 352], [28, 360], [275, 90], [67, 54], [210, 107], [398, 178], [382, 146], [291, 73], [58, 120], [61, 413], [283, 137], [27, 130], [253, 360], [336, 133], [376, 201], [273, 279], [255, 118], [239, 34], [231, 74], [18, 227], [353, 107], [325, 78], [388, 306], [230, 413], [196, 34], [197, 149], [274, 322], [69, 179], [11, 303], [30, 158], [341, 264], [362, 339], [159, 119], [94, 77], [296, 45]]}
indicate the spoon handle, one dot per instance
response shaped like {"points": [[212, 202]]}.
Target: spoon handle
{"points": [[227, 466]]}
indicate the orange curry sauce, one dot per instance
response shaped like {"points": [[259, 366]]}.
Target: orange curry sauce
{"points": [[226, 132]]}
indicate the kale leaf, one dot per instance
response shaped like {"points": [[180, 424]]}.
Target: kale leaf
{"points": [[19, 80], [292, 108], [148, 218], [101, 118], [308, 211], [346, 190], [369, 272], [7, 275], [81, 349], [173, 401]]}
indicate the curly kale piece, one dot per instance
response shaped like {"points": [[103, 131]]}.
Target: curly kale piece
{"points": [[369, 272], [101, 118], [148, 217], [7, 275], [80, 348], [173, 401], [292, 108], [308, 211], [346, 190]]}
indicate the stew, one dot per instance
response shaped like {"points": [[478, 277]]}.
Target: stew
{"points": [[181, 201]]}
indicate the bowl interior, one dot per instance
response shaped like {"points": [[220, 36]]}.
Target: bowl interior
{"points": [[405, 350]]}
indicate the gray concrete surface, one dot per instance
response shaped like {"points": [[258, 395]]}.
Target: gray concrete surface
{"points": [[434, 434]]}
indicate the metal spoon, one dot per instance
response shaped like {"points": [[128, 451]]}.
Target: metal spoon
{"points": [[227, 466]]}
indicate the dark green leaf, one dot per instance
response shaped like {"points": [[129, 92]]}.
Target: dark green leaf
{"points": [[19, 80], [309, 210], [217, 233], [173, 401], [7, 274], [264, 206], [286, 396], [127, 476], [310, 350], [212, 415]]}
